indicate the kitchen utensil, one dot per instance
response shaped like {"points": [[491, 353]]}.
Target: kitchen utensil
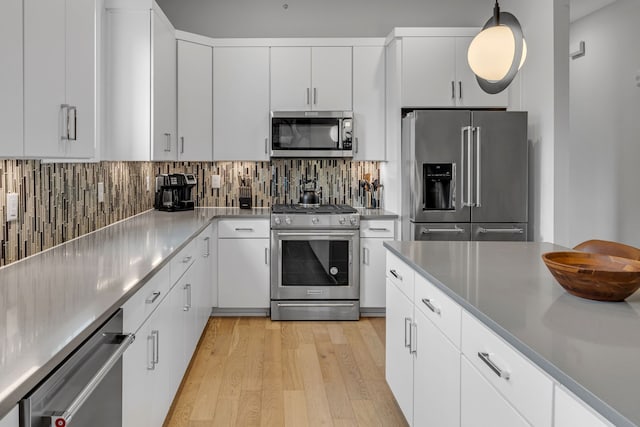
{"points": [[310, 196], [606, 247], [245, 194], [594, 276]]}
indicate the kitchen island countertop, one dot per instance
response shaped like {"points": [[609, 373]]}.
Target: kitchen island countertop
{"points": [[590, 347], [52, 301]]}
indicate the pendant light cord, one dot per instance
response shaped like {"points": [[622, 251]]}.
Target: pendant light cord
{"points": [[496, 13]]}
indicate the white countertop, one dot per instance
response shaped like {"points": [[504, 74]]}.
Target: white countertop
{"points": [[590, 347], [52, 301]]}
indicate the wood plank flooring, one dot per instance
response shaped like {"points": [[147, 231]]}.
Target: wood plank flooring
{"points": [[255, 372]]}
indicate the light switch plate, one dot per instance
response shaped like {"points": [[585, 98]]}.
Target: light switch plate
{"points": [[215, 181], [100, 192], [12, 207]]}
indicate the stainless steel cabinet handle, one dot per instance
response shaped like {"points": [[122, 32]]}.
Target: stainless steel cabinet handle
{"points": [[186, 259], [487, 360], [154, 338], [308, 92], [483, 230], [453, 89], [357, 143], [460, 89], [75, 123], [68, 414], [315, 96], [156, 354], [266, 146], [478, 131], [187, 289], [154, 296], [407, 332], [244, 229], [167, 147], [266, 256], [208, 252], [64, 136], [378, 229], [413, 347], [182, 145], [395, 274], [430, 305], [455, 229]]}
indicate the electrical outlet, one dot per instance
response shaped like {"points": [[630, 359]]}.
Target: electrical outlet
{"points": [[148, 183], [215, 181], [100, 192], [12, 207]]}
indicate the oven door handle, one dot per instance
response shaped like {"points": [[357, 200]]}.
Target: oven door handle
{"points": [[322, 304], [64, 417], [315, 234]]}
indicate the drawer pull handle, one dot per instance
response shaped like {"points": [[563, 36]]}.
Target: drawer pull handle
{"points": [[499, 372], [378, 229], [395, 274], [154, 296], [430, 305], [244, 229]]}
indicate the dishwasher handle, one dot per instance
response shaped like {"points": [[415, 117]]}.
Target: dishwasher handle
{"points": [[62, 418]]}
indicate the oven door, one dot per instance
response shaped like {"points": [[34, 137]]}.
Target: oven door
{"points": [[315, 265]]}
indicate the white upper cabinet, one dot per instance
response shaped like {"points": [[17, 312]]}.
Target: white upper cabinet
{"points": [[311, 78], [141, 122], [195, 102], [60, 78], [435, 73], [369, 102], [11, 143], [241, 103]]}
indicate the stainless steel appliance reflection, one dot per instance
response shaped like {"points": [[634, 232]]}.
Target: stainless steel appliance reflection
{"points": [[315, 259], [467, 175]]}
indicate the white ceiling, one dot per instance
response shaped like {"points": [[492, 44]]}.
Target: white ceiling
{"points": [[581, 8]]}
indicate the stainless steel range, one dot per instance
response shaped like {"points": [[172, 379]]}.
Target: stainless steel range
{"points": [[314, 262]]}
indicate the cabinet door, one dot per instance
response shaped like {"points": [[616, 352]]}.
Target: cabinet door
{"points": [[428, 72], [369, 102], [291, 78], [568, 411], [137, 377], [164, 89], [11, 419], [241, 103], [468, 91], [195, 102], [44, 77], [81, 78], [11, 107], [398, 360], [331, 76], [243, 273], [372, 273], [436, 379], [481, 404]]}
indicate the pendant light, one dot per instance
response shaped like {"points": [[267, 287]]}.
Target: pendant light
{"points": [[497, 53]]}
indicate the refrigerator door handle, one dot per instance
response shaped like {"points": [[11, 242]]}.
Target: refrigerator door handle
{"points": [[466, 172], [478, 132]]}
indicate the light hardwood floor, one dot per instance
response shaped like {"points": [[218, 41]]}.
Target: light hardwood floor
{"points": [[255, 372]]}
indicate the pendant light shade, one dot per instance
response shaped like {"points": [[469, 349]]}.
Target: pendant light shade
{"points": [[497, 53]]}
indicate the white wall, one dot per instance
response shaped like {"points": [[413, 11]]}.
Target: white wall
{"points": [[604, 169]]}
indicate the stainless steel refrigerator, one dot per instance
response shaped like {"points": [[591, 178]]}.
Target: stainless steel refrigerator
{"points": [[464, 175]]}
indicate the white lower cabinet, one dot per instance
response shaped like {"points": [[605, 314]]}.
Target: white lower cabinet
{"points": [[436, 377], [569, 411], [11, 419], [399, 360], [243, 264], [373, 234], [481, 404]]}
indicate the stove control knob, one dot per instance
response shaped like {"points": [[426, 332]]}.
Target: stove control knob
{"points": [[287, 220], [353, 220], [342, 220], [277, 220], [315, 220]]}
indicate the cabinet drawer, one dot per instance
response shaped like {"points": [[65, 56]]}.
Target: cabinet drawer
{"points": [[183, 260], [439, 308], [527, 388], [142, 303], [243, 229], [400, 274], [377, 228]]}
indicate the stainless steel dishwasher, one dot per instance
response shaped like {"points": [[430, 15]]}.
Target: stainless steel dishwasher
{"points": [[86, 389]]}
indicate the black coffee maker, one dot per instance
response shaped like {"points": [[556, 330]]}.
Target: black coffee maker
{"points": [[173, 192]]}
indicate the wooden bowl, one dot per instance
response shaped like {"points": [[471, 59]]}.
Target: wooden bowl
{"points": [[606, 247], [594, 276]]}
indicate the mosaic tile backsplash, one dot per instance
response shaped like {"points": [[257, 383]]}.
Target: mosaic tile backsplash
{"points": [[59, 201]]}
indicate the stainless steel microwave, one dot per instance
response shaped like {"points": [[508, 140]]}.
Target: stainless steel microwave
{"points": [[311, 134]]}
